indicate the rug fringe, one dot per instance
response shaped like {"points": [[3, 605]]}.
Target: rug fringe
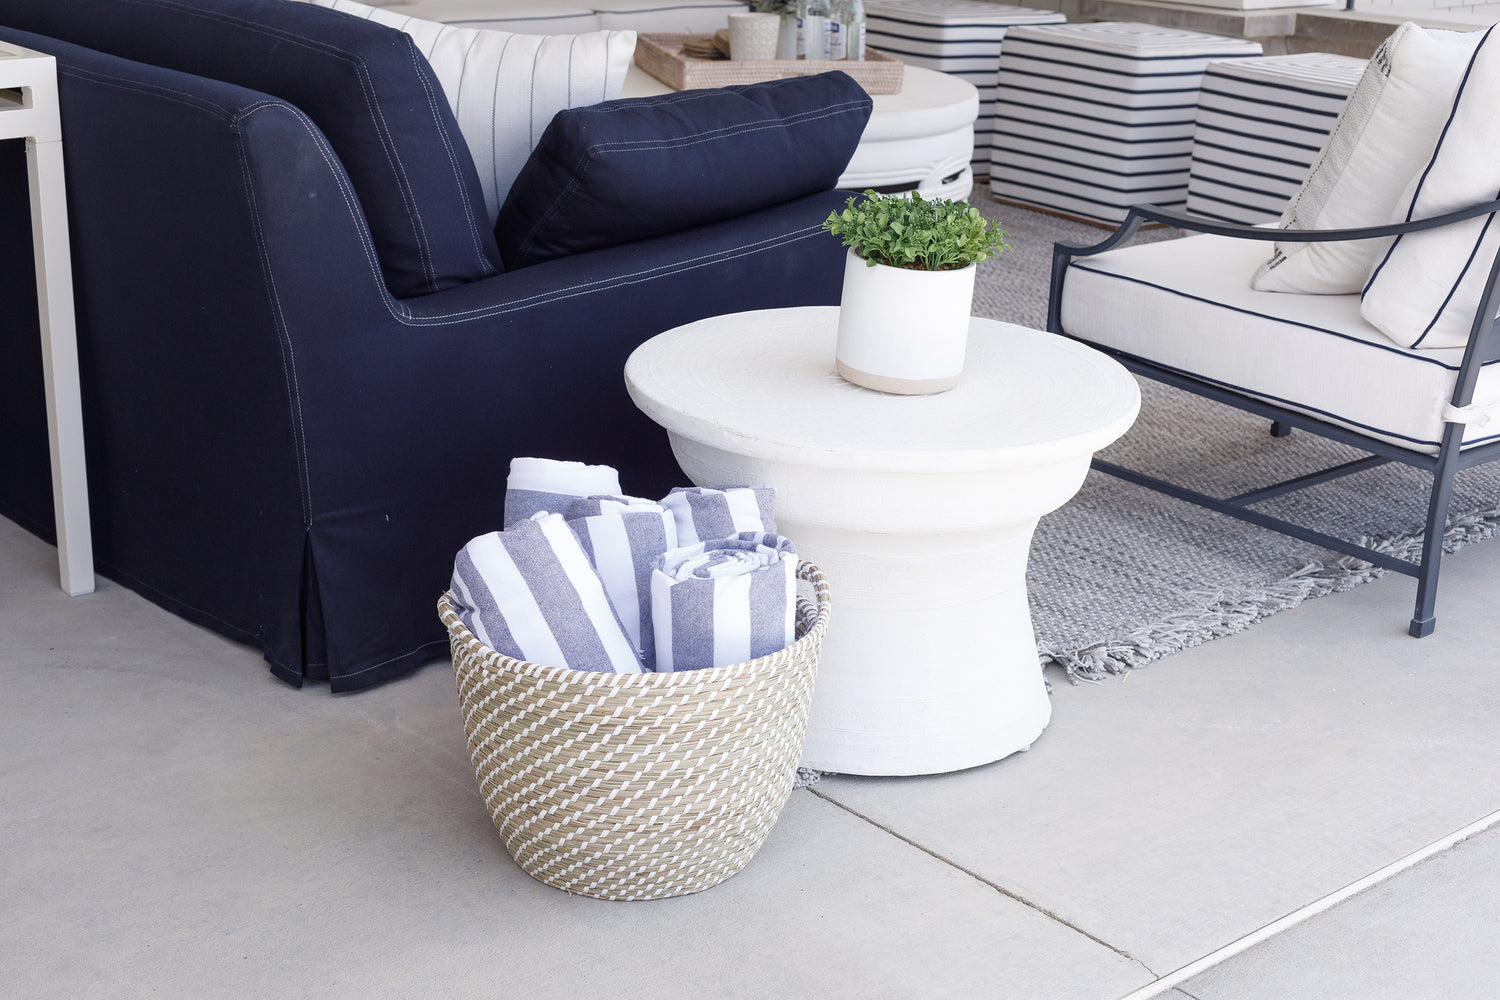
{"points": [[1227, 612]]}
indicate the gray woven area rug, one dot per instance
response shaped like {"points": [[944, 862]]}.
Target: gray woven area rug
{"points": [[1121, 575]]}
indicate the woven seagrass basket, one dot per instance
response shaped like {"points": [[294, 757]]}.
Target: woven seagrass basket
{"points": [[637, 786]]}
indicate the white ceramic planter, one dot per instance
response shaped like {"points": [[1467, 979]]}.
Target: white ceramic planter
{"points": [[903, 331], [753, 35]]}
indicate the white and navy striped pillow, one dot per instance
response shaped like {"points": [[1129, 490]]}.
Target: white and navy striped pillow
{"points": [[504, 88], [1424, 289]]}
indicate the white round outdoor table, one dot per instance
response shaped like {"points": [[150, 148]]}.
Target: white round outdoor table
{"points": [[919, 508]]}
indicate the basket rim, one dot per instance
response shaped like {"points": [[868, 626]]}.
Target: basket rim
{"points": [[495, 661]]}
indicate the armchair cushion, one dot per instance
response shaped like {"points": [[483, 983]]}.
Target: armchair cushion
{"points": [[365, 86], [1383, 136], [1426, 286], [626, 170], [1184, 304], [504, 88]]}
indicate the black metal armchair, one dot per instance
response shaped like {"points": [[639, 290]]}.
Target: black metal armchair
{"points": [[1181, 312]]}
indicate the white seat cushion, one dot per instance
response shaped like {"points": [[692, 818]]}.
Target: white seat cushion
{"points": [[1187, 305], [539, 17], [551, 17], [689, 16]]}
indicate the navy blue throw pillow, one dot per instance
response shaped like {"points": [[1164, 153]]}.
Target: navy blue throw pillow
{"points": [[627, 170], [366, 87]]}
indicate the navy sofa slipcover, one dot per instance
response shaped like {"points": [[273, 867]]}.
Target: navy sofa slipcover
{"points": [[278, 448]]}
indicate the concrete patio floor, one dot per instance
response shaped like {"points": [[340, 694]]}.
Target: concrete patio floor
{"points": [[178, 823]]}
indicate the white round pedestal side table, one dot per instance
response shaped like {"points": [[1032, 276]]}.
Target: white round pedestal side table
{"points": [[921, 136], [919, 508]]}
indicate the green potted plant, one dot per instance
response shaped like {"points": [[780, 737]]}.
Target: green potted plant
{"points": [[908, 289]]}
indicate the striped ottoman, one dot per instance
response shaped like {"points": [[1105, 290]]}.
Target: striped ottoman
{"points": [[1261, 123], [959, 37], [1093, 118]]}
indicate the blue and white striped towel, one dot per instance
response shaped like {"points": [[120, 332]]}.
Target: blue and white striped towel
{"points": [[623, 538], [704, 514], [529, 592], [538, 485], [724, 601]]}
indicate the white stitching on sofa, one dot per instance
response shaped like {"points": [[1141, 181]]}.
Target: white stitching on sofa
{"points": [[283, 338], [367, 93], [620, 281], [476, 241]]}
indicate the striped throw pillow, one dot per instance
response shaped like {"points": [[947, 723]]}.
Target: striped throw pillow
{"points": [[1425, 287], [1387, 127], [504, 88]]}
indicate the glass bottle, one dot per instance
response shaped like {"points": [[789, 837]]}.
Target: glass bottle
{"points": [[838, 30], [815, 29], [786, 39], [854, 30]]}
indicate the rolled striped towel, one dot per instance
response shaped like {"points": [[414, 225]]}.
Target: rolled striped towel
{"points": [[623, 538], [529, 592], [704, 513], [724, 601], [538, 485]]}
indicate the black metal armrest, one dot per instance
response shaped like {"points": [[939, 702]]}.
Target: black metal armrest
{"points": [[1197, 224], [1064, 253]]}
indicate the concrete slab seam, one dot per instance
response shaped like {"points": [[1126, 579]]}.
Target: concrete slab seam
{"points": [[1182, 975], [982, 880]]}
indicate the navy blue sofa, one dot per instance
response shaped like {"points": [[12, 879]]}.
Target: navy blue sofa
{"points": [[279, 447]]}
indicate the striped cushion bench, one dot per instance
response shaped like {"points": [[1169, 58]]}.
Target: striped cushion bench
{"points": [[1093, 118], [1260, 125], [958, 37]]}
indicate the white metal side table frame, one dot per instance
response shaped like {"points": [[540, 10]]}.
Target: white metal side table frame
{"points": [[28, 110]]}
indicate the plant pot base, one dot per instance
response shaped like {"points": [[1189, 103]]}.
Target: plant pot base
{"points": [[901, 386]]}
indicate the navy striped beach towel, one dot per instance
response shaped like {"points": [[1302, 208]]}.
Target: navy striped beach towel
{"points": [[529, 592], [623, 538], [724, 601]]}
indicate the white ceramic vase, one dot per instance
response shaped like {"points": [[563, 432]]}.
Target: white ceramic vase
{"points": [[903, 331], [753, 36]]}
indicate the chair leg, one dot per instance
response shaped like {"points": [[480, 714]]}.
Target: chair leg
{"points": [[1280, 430], [1424, 617]]}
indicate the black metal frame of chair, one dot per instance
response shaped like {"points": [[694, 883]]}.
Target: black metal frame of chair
{"points": [[1483, 346]]}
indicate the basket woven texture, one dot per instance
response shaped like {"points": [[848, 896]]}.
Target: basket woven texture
{"points": [[662, 56], [637, 786]]}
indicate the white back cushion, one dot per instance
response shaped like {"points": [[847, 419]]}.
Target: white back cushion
{"points": [[1425, 287], [1382, 138], [504, 88]]}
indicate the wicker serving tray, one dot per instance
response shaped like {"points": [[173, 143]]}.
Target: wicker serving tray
{"points": [[663, 58]]}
